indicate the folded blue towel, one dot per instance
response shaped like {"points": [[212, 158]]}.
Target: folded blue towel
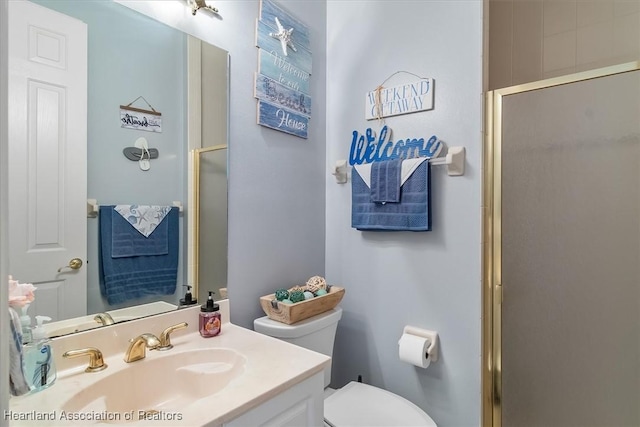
{"points": [[411, 213], [385, 181], [17, 381], [126, 278], [126, 241]]}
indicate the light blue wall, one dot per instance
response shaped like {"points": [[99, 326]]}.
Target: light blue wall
{"points": [[130, 55], [431, 279], [276, 180]]}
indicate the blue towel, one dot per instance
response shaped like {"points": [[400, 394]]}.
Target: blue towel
{"points": [[385, 181], [411, 213], [126, 241], [127, 278]]}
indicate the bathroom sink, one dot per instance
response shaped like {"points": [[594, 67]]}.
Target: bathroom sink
{"points": [[159, 383]]}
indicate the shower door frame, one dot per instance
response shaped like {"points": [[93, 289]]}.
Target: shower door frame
{"points": [[492, 232]]}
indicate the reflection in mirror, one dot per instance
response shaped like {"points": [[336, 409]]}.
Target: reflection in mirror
{"points": [[210, 176], [131, 55]]}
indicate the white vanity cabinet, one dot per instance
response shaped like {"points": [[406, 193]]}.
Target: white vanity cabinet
{"points": [[300, 405]]}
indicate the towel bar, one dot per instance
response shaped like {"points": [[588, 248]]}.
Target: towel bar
{"points": [[454, 160], [93, 207]]}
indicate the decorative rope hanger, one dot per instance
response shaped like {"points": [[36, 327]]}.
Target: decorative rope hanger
{"points": [[378, 91], [141, 110]]}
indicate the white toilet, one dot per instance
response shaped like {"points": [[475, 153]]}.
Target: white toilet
{"points": [[355, 404]]}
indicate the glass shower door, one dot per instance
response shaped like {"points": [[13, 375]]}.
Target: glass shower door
{"points": [[211, 221], [570, 348]]}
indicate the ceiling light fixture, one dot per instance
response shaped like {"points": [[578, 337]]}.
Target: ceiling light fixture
{"points": [[196, 5]]}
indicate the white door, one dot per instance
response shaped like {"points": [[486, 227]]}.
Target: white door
{"points": [[47, 157]]}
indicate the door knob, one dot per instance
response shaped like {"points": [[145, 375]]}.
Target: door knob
{"points": [[74, 264]]}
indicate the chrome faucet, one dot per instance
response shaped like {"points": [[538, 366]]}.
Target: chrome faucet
{"points": [[139, 345], [104, 319], [96, 362], [165, 336]]}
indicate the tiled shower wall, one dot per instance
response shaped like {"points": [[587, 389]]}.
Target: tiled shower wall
{"points": [[532, 40]]}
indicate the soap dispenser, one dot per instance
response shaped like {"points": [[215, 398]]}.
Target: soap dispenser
{"points": [[25, 322], [188, 298], [210, 318], [39, 367]]}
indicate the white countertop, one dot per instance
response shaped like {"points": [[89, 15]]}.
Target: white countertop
{"points": [[271, 367]]}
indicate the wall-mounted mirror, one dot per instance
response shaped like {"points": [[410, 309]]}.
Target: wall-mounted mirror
{"points": [[186, 80]]}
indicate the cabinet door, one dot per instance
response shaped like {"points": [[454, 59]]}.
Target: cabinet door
{"points": [[300, 405]]}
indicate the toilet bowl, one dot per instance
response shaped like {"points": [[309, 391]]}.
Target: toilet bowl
{"points": [[355, 404]]}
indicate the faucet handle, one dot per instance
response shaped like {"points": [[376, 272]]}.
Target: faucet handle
{"points": [[165, 336], [104, 319], [96, 362]]}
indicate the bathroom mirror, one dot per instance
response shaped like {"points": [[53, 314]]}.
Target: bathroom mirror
{"points": [[198, 116]]}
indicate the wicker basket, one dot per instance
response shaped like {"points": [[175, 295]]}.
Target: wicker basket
{"points": [[292, 313]]}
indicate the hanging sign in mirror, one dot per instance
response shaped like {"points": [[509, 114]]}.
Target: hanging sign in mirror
{"points": [[140, 118]]}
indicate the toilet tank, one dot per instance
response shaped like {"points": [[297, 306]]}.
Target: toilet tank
{"points": [[316, 333]]}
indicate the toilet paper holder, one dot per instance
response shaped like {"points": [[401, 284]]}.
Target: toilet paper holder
{"points": [[432, 336]]}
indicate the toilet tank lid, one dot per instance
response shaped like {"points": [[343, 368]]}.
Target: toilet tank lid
{"points": [[360, 405], [276, 329]]}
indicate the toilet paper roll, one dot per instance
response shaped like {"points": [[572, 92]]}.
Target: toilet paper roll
{"points": [[413, 349]]}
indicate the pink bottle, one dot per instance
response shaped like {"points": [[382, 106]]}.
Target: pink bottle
{"points": [[210, 318]]}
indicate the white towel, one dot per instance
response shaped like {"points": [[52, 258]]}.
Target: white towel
{"points": [[145, 219], [408, 167], [17, 381]]}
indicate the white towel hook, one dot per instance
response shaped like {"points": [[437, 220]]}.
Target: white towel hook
{"points": [[454, 161], [340, 171]]}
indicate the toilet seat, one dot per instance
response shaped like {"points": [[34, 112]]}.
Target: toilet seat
{"points": [[363, 405]]}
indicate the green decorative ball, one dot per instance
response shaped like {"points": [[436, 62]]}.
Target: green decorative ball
{"points": [[296, 296], [321, 292], [286, 301], [282, 294], [308, 295]]}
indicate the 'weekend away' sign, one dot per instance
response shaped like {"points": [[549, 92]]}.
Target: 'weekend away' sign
{"points": [[404, 99]]}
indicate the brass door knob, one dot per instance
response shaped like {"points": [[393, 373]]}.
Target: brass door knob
{"points": [[74, 264]]}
